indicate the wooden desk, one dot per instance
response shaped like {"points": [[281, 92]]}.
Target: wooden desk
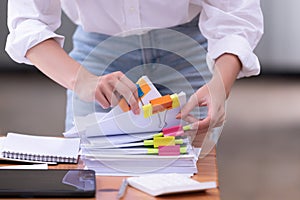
{"points": [[107, 186]]}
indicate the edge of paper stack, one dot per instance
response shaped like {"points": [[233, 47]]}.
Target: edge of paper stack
{"points": [[119, 143]]}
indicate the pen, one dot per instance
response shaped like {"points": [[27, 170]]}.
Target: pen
{"points": [[122, 189]]}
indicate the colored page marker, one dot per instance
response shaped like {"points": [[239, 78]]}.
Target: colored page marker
{"points": [[144, 86], [163, 141], [187, 127], [151, 142], [161, 103], [158, 135], [176, 133], [140, 91], [175, 100], [147, 110], [176, 130], [152, 151], [172, 129], [169, 150]]}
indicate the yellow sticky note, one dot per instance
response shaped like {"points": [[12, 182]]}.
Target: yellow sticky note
{"points": [[175, 101], [164, 141], [147, 110]]}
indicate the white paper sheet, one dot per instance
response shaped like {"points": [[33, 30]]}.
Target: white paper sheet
{"points": [[117, 122]]}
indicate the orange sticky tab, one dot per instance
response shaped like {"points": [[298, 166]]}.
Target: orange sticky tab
{"points": [[124, 105], [164, 141], [164, 101], [144, 86]]}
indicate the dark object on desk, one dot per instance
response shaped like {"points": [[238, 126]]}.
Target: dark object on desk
{"points": [[47, 183]]}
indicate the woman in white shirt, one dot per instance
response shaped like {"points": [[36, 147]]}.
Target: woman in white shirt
{"points": [[229, 30]]}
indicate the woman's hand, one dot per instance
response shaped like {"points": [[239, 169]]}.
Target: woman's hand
{"points": [[213, 95], [107, 90]]}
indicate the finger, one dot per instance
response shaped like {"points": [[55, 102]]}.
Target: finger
{"points": [[217, 116], [203, 124], [110, 95], [115, 98], [112, 86], [105, 95], [101, 99], [190, 105], [190, 119], [129, 91], [131, 86]]}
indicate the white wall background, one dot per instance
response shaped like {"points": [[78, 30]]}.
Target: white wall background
{"points": [[279, 49]]}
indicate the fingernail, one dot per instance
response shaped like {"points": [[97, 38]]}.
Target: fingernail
{"points": [[178, 116], [136, 111], [104, 106]]}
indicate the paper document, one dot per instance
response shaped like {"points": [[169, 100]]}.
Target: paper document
{"points": [[120, 120]]}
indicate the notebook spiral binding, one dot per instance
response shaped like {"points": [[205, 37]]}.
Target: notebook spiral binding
{"points": [[39, 158]]}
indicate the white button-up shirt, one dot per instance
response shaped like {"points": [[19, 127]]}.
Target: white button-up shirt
{"points": [[230, 26]]}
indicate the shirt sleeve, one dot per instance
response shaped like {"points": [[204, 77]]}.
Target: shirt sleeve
{"points": [[233, 26], [31, 22]]}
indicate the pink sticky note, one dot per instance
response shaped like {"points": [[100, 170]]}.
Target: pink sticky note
{"points": [[172, 129], [169, 150], [176, 133]]}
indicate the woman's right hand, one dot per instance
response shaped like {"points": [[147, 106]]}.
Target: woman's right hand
{"points": [[107, 90]]}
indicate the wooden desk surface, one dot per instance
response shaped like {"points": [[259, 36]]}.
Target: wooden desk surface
{"points": [[108, 186]]}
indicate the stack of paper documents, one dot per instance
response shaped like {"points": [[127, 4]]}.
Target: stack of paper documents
{"points": [[137, 162], [121, 143]]}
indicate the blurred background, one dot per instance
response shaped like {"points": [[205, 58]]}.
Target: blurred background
{"points": [[258, 153]]}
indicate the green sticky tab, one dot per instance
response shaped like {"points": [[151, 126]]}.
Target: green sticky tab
{"points": [[187, 127], [148, 142], [183, 149], [152, 151], [179, 141], [158, 134]]}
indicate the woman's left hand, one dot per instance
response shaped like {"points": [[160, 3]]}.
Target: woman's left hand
{"points": [[213, 95]]}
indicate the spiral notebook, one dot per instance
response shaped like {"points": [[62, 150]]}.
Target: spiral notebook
{"points": [[31, 148]]}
